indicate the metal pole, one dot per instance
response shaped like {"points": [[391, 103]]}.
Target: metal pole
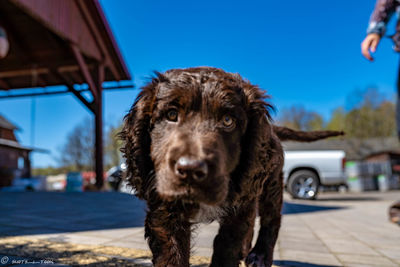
{"points": [[33, 117]]}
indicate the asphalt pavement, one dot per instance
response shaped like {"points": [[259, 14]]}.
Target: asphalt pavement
{"points": [[338, 229]]}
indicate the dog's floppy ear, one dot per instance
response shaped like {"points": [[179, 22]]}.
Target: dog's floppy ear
{"points": [[136, 139], [255, 145]]}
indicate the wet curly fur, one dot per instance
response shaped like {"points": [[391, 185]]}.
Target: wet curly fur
{"points": [[200, 146]]}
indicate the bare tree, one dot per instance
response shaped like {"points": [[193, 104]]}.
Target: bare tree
{"points": [[113, 146], [298, 118], [78, 151]]}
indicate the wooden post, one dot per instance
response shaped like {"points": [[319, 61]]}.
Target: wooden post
{"points": [[99, 128], [85, 70]]}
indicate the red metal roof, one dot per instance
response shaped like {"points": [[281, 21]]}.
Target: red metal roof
{"points": [[43, 35], [6, 124], [13, 144]]}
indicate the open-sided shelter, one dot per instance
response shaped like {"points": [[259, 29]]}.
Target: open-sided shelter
{"points": [[61, 42]]}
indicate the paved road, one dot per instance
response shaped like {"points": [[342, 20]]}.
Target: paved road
{"points": [[336, 230]]}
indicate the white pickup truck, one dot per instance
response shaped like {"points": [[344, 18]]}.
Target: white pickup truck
{"points": [[305, 171]]}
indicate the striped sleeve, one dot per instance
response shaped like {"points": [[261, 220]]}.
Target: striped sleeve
{"points": [[382, 13]]}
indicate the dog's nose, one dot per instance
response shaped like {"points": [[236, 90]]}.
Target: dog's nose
{"points": [[186, 168]]}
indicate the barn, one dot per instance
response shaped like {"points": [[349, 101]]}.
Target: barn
{"points": [[14, 158]]}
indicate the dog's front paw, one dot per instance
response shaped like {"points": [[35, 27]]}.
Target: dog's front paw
{"points": [[256, 260]]}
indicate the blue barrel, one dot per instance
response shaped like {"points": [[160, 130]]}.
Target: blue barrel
{"points": [[74, 182]]}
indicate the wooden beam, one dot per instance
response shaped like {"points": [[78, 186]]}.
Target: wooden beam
{"points": [[41, 69], [4, 85], [71, 68], [76, 77], [85, 70], [98, 38], [70, 86], [48, 93], [100, 78], [89, 105], [24, 72], [40, 81]]}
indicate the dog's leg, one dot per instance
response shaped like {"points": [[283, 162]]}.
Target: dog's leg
{"points": [[247, 243], [232, 242], [168, 237], [270, 205]]}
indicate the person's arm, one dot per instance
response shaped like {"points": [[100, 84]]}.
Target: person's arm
{"points": [[382, 13]]}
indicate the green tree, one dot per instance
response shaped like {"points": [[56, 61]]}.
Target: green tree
{"points": [[338, 120], [315, 122], [385, 119], [370, 116]]}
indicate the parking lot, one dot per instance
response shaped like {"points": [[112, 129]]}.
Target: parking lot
{"points": [[106, 229]]}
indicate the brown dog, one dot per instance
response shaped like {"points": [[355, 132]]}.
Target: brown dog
{"points": [[200, 146]]}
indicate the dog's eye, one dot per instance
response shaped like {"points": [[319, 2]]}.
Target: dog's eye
{"points": [[227, 121], [172, 115]]}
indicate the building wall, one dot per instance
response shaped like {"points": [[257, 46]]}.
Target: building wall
{"points": [[8, 158], [7, 134], [13, 162], [378, 158]]}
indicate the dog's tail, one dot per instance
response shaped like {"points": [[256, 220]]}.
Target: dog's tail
{"points": [[287, 134]]}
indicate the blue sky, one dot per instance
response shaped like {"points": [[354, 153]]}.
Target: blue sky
{"points": [[302, 52]]}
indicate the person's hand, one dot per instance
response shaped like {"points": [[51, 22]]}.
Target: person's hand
{"points": [[370, 44]]}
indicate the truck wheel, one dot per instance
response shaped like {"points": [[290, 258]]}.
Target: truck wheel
{"points": [[303, 184]]}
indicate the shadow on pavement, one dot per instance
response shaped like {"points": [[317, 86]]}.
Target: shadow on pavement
{"points": [[298, 264], [22, 251], [295, 208], [17, 250], [30, 213]]}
